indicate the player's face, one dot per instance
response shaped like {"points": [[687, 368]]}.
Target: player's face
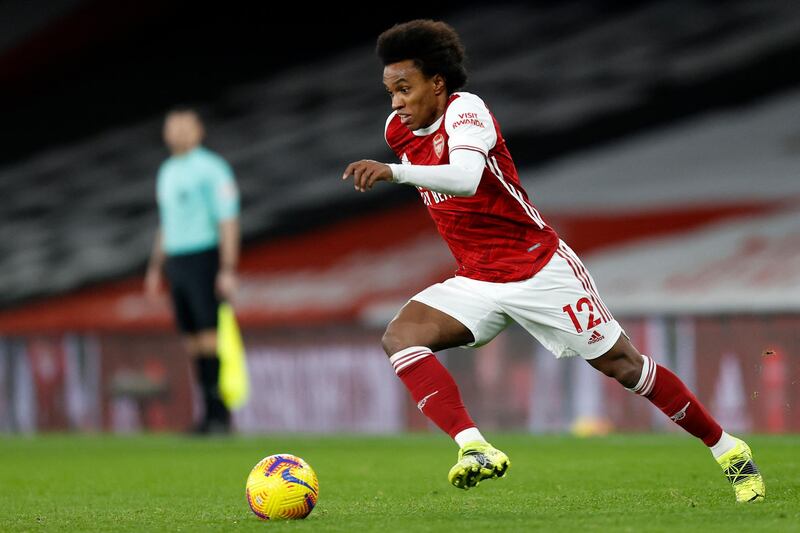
{"points": [[418, 100], [182, 132]]}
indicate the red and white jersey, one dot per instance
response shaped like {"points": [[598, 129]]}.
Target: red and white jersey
{"points": [[496, 235]]}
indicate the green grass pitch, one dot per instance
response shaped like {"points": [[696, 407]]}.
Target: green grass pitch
{"points": [[556, 483]]}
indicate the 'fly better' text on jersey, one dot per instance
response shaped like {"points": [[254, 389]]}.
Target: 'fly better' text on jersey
{"points": [[496, 235]]}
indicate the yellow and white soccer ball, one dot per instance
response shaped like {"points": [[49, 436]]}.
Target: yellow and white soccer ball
{"points": [[282, 486]]}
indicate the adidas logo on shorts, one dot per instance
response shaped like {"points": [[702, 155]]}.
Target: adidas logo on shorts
{"points": [[596, 337]]}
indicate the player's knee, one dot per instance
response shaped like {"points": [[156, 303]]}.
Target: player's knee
{"points": [[628, 376], [390, 341], [627, 369], [624, 367], [397, 337]]}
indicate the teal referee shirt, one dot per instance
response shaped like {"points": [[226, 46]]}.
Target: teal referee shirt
{"points": [[196, 191]]}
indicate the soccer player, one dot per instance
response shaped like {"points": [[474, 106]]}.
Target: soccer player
{"points": [[511, 264], [197, 244]]}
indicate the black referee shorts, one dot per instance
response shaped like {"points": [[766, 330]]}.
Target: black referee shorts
{"points": [[192, 279]]}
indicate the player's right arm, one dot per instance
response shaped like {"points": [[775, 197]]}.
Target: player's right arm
{"points": [[472, 134], [459, 178], [367, 173]]}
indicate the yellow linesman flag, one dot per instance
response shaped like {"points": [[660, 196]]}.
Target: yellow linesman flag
{"points": [[234, 381]]}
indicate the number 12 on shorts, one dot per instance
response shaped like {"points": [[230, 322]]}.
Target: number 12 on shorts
{"points": [[580, 305]]}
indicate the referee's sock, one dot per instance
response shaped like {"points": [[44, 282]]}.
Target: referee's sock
{"points": [[208, 374]]}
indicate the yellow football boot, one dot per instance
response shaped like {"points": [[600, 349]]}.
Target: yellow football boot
{"points": [[742, 472], [477, 461]]}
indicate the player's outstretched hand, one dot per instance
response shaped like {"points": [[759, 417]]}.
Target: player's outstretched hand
{"points": [[367, 173]]}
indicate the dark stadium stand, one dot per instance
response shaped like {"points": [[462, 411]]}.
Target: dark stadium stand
{"points": [[560, 77]]}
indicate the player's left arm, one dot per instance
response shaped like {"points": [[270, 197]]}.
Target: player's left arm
{"points": [[470, 126]]}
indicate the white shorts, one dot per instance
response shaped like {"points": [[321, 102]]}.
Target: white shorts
{"points": [[559, 306]]}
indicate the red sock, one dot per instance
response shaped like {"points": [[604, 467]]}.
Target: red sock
{"points": [[433, 388], [667, 392]]}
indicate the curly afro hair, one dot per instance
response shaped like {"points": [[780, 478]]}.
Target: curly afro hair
{"points": [[434, 46]]}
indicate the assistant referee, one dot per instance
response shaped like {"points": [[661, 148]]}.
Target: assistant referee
{"points": [[197, 246]]}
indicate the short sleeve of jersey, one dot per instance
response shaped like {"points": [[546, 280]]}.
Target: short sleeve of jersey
{"points": [[225, 194], [469, 125]]}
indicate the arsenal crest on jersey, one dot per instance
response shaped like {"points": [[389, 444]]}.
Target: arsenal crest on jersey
{"points": [[438, 144]]}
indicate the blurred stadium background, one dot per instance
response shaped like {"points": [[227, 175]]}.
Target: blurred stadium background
{"points": [[659, 138]]}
